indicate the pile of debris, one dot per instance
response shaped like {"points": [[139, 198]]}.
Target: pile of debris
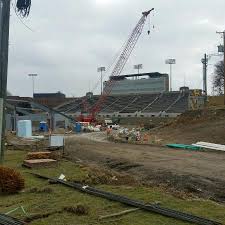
{"points": [[14, 142], [96, 176], [133, 136], [39, 159]]}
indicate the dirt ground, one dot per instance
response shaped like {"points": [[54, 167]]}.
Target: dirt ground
{"points": [[210, 131], [194, 126], [198, 173]]}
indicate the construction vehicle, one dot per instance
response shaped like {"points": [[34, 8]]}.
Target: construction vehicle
{"points": [[124, 56]]}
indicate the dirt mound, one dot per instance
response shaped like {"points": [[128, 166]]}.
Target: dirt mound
{"points": [[96, 175], [24, 144], [199, 116], [206, 125]]}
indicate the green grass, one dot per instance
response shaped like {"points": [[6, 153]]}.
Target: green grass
{"points": [[40, 203]]}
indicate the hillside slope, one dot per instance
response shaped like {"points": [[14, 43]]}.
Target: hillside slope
{"points": [[193, 126]]}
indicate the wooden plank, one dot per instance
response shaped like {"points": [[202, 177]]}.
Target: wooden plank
{"points": [[37, 163], [212, 146], [119, 214]]}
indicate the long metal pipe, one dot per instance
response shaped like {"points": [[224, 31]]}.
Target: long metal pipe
{"points": [[149, 207]]}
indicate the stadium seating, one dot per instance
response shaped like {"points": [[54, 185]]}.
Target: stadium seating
{"points": [[139, 103], [169, 102], [162, 103], [181, 105]]}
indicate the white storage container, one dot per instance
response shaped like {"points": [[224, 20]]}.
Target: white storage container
{"points": [[24, 128]]}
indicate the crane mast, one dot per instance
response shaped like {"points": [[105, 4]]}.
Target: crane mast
{"points": [[122, 60]]}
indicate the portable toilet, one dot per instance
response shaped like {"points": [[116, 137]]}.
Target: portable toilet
{"points": [[78, 127], [24, 128], [43, 126]]}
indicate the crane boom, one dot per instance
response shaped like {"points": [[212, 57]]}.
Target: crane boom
{"points": [[125, 54]]}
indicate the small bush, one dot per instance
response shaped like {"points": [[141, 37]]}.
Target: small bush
{"points": [[11, 181]]}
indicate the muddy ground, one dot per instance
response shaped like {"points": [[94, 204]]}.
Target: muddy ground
{"points": [[200, 174]]}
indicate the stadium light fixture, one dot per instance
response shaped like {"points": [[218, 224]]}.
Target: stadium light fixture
{"points": [[101, 70], [138, 67], [32, 75], [171, 62]]}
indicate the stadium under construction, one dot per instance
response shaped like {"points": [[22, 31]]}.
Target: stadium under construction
{"points": [[132, 95], [135, 95], [139, 95]]}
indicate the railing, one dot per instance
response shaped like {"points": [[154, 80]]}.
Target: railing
{"points": [[157, 98]]}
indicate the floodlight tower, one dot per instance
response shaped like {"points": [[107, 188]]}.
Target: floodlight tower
{"points": [[101, 70], [32, 75], [138, 67], [171, 62]]}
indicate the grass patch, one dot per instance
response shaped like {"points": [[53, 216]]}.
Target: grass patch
{"points": [[51, 204]]}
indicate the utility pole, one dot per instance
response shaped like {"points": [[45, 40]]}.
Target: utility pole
{"points": [[223, 33], [4, 47], [205, 64]]}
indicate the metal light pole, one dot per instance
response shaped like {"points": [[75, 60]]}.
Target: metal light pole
{"points": [[223, 33], [171, 62], [101, 70], [4, 45], [138, 67], [32, 75]]}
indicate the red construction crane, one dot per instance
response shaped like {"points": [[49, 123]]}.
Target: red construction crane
{"points": [[124, 56]]}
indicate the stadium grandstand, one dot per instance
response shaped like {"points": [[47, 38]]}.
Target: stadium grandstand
{"points": [[138, 95]]}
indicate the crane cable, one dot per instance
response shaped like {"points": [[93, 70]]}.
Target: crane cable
{"points": [[149, 24]]}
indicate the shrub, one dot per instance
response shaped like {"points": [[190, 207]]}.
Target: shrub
{"points": [[11, 181]]}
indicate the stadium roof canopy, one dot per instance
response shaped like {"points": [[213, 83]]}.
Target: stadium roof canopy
{"points": [[150, 75]]}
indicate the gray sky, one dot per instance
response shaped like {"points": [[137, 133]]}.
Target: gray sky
{"points": [[70, 39]]}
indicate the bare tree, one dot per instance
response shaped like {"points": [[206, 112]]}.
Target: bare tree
{"points": [[218, 79]]}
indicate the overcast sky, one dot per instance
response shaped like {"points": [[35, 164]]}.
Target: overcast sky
{"points": [[70, 39]]}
